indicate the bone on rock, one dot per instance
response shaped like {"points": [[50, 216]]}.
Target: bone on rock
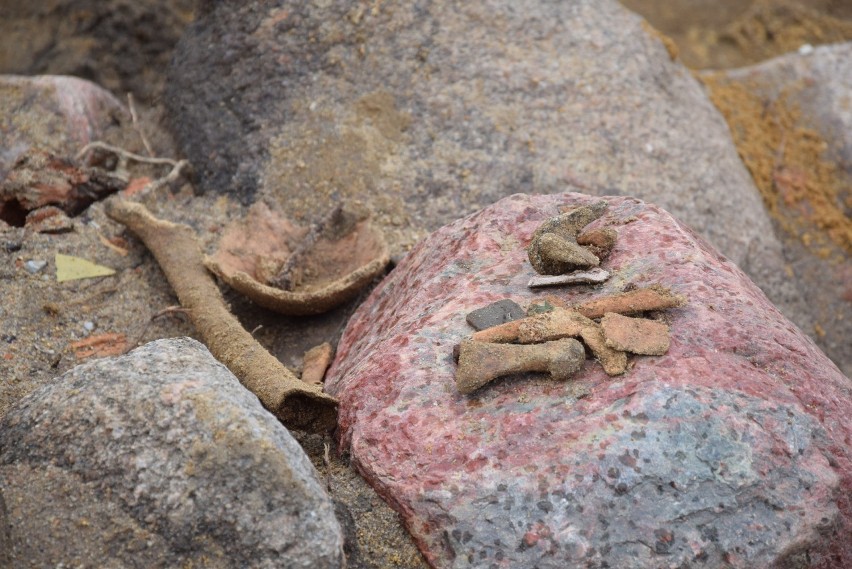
{"points": [[553, 249], [481, 362]]}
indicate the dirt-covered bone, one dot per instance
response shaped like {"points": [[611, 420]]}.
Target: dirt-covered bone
{"points": [[297, 404], [480, 362], [554, 249]]}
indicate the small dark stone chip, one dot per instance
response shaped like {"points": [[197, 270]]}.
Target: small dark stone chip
{"points": [[495, 313]]}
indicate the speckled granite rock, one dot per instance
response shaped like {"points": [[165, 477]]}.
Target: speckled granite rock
{"points": [[733, 449], [57, 113], [159, 459], [427, 110]]}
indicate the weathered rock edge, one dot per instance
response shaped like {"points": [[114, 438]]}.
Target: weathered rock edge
{"points": [[170, 435], [731, 448]]}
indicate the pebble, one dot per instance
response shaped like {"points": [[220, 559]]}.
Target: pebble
{"points": [[34, 265], [495, 313]]}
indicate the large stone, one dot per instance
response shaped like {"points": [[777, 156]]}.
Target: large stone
{"points": [[724, 34], [159, 459], [732, 449], [425, 111], [792, 121], [122, 45]]}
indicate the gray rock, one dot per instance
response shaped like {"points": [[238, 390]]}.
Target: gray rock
{"points": [[158, 459], [817, 85], [424, 111], [34, 265], [495, 313], [5, 535]]}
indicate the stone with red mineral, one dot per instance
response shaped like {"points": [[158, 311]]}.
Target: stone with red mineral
{"points": [[732, 447]]}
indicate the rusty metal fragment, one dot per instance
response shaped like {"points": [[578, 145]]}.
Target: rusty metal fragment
{"points": [[496, 313]]}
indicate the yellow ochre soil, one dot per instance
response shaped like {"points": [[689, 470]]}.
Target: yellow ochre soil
{"points": [[802, 186]]}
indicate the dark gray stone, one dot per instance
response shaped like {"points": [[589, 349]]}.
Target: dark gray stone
{"points": [[424, 111], [160, 458], [495, 313], [122, 45]]}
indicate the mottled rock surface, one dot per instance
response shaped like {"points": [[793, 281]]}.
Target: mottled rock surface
{"points": [[159, 458], [732, 449], [425, 111]]}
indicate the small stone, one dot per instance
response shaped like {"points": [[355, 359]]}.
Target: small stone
{"points": [[495, 313], [636, 335], [89, 325], [34, 265], [49, 219]]}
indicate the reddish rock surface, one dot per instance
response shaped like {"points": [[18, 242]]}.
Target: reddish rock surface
{"points": [[731, 449]]}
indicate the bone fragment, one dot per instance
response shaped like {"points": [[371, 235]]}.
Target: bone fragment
{"points": [[316, 362], [501, 333], [481, 362], [592, 276], [636, 335], [655, 297], [553, 249], [568, 323], [599, 241], [559, 254], [297, 404], [551, 325], [614, 362]]}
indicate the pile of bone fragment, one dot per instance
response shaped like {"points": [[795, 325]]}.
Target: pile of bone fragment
{"points": [[553, 337]]}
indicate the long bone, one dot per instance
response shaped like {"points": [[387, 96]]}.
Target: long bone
{"points": [[481, 362]]}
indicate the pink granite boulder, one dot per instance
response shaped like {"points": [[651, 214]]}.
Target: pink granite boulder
{"points": [[733, 449]]}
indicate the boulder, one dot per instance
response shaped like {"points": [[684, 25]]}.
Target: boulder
{"points": [[792, 122], [426, 111], [123, 45], [732, 449], [159, 458]]}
